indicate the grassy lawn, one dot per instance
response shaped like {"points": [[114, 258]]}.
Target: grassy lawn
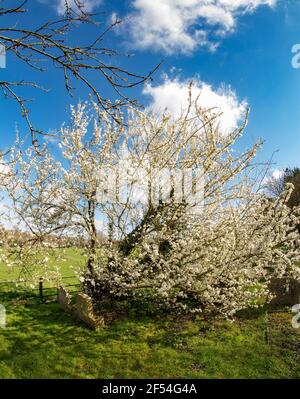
{"points": [[73, 260], [41, 341]]}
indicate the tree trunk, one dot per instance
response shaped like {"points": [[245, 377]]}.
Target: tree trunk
{"points": [[93, 237]]}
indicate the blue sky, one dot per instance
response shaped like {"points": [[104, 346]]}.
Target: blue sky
{"points": [[235, 55]]}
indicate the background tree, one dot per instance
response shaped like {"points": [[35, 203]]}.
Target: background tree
{"points": [[276, 185], [293, 176]]}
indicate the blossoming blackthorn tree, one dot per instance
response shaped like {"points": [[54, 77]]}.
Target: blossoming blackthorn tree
{"points": [[208, 246]]}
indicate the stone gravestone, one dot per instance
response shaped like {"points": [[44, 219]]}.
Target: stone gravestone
{"points": [[286, 292], [64, 300], [2, 317], [82, 310]]}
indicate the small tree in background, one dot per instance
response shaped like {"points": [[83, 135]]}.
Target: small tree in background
{"points": [[276, 185], [293, 176]]}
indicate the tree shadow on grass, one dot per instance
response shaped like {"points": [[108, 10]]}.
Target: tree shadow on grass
{"points": [[44, 342], [41, 341]]}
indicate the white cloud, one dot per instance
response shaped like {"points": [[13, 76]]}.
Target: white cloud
{"points": [[271, 180], [173, 96], [101, 226], [182, 25], [88, 5], [277, 174]]}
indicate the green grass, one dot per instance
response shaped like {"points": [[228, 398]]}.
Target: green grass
{"points": [[73, 260], [41, 341]]}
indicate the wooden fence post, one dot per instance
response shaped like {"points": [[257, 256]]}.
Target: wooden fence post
{"points": [[267, 329], [41, 289]]}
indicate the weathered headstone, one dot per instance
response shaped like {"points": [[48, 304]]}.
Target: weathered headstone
{"points": [[64, 300], [82, 310], [286, 292]]}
